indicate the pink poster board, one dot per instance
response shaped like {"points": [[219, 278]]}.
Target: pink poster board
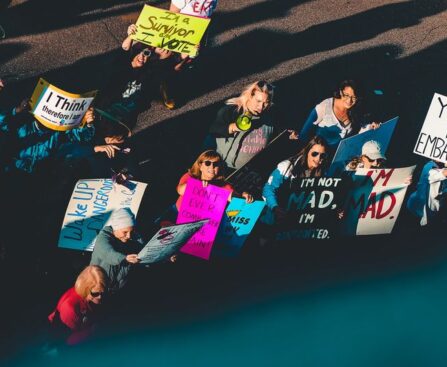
{"points": [[202, 203]]}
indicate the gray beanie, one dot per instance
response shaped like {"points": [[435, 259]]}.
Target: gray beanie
{"points": [[122, 218]]}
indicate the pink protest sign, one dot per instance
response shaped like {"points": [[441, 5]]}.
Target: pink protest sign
{"points": [[202, 203]]}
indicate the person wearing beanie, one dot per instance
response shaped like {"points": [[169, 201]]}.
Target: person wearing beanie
{"points": [[117, 246]]}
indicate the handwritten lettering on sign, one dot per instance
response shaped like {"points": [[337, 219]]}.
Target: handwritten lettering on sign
{"points": [[374, 204], [202, 203], [432, 140], [57, 109], [170, 31], [311, 208], [90, 207]]}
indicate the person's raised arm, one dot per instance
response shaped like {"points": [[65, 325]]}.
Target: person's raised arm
{"points": [[308, 129], [127, 43]]}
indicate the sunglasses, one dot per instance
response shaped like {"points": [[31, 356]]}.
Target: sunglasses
{"points": [[379, 160], [316, 154], [96, 294], [211, 163], [263, 84], [147, 52]]}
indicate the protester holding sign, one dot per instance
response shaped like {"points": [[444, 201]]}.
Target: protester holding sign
{"points": [[73, 320], [429, 201], [337, 117], [34, 143], [238, 143], [128, 84], [311, 161], [372, 157], [117, 246]]}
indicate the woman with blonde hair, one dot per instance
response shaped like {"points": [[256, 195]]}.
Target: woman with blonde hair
{"points": [[245, 125], [74, 317]]}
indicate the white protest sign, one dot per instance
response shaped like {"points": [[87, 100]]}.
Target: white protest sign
{"points": [[91, 204], [167, 241], [432, 140], [57, 109], [374, 204]]}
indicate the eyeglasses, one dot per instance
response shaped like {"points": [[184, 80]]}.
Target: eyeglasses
{"points": [[96, 294], [347, 96], [211, 163], [263, 84], [316, 154], [379, 160], [147, 52]]}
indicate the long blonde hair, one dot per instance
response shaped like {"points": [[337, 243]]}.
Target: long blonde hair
{"points": [[249, 91], [89, 278]]}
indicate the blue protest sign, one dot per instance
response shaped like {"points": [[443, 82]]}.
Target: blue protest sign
{"points": [[236, 225], [352, 147]]}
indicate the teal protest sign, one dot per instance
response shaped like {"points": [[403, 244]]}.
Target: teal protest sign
{"points": [[236, 225]]}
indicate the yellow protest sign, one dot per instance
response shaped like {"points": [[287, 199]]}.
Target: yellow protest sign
{"points": [[57, 109], [170, 31]]}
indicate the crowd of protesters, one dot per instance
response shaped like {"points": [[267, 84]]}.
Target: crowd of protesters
{"points": [[242, 128]]}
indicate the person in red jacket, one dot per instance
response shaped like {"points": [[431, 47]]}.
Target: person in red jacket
{"points": [[73, 320]]}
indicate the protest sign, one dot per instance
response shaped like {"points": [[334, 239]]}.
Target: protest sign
{"points": [[312, 205], [374, 202], [202, 203], [57, 109], [167, 241], [254, 174], [236, 225], [91, 204], [170, 31], [350, 148], [432, 140]]}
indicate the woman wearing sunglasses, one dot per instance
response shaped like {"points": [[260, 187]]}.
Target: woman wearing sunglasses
{"points": [[337, 117], [371, 157], [73, 319], [208, 167], [311, 161]]}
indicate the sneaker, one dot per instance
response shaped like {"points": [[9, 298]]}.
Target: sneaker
{"points": [[167, 100]]}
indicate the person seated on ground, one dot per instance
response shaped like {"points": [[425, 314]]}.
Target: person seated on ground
{"points": [[338, 117], [311, 161], [255, 106], [127, 87], [209, 169], [33, 142], [106, 153], [117, 246], [74, 319], [429, 201], [165, 67]]}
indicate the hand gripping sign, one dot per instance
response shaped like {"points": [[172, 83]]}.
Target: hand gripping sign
{"points": [[170, 31], [57, 109]]}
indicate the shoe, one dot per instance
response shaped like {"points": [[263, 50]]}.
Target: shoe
{"points": [[167, 100]]}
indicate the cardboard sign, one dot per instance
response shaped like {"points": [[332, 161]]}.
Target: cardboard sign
{"points": [[57, 109], [254, 174], [432, 140], [236, 225], [375, 201], [352, 147], [170, 31], [202, 203], [312, 205], [90, 207], [167, 241]]}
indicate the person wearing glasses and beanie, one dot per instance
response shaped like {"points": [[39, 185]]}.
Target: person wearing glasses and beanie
{"points": [[117, 246], [73, 320], [338, 117], [238, 143], [311, 161]]}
